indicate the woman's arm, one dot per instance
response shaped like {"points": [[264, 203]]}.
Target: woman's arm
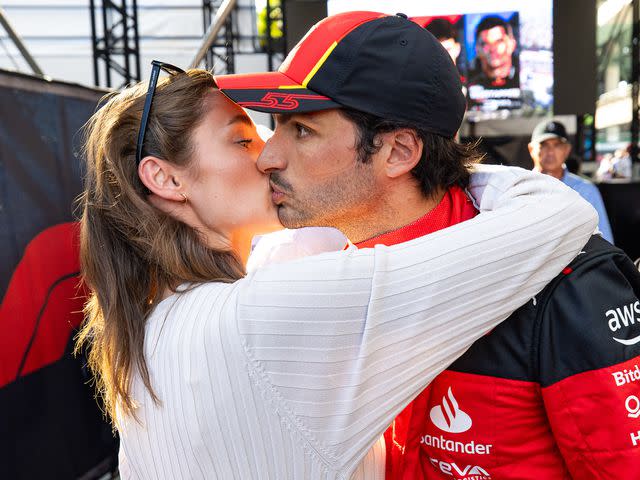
{"points": [[342, 341]]}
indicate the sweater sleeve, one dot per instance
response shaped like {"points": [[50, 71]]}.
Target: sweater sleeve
{"points": [[341, 342]]}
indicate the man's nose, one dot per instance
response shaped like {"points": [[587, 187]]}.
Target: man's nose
{"points": [[271, 158]]}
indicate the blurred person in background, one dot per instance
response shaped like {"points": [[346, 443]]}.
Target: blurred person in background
{"points": [[549, 149], [446, 34], [616, 166], [605, 168]]}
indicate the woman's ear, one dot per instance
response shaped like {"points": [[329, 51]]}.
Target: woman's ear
{"points": [[405, 152], [162, 178]]}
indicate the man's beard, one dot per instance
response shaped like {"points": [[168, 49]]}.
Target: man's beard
{"points": [[333, 204]]}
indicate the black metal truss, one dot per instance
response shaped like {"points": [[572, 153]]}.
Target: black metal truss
{"points": [[116, 42], [220, 57]]}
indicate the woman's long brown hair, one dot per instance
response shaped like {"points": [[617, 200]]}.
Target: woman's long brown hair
{"points": [[131, 252]]}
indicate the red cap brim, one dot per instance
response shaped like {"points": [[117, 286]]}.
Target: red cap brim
{"points": [[272, 92]]}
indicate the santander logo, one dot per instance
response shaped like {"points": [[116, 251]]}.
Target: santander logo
{"points": [[448, 416]]}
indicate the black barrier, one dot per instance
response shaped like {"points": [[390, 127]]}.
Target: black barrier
{"points": [[39, 170], [622, 201], [51, 425]]}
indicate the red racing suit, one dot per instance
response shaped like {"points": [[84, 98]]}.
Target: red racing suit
{"points": [[551, 393]]}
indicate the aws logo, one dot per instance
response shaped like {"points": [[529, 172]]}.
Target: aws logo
{"points": [[623, 317]]}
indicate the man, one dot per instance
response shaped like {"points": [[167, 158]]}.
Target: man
{"points": [[549, 150], [495, 45], [615, 166], [527, 400], [445, 33]]}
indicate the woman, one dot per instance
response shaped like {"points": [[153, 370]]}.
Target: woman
{"points": [[294, 370]]}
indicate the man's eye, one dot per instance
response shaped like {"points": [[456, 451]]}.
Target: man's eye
{"points": [[302, 131], [245, 142]]}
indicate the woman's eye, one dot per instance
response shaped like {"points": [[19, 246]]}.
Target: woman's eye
{"points": [[245, 142], [302, 131]]}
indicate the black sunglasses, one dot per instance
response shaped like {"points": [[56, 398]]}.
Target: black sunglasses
{"points": [[153, 82]]}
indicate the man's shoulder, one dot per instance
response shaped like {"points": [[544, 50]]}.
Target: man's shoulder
{"points": [[589, 316], [591, 262], [564, 330]]}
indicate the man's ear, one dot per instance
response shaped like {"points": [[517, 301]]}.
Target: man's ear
{"points": [[404, 151], [531, 146], [512, 44], [162, 178]]}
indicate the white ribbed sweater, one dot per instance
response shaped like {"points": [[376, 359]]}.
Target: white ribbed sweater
{"points": [[294, 371]]}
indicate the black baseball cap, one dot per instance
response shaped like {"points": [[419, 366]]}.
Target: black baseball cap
{"points": [[385, 65], [549, 129]]}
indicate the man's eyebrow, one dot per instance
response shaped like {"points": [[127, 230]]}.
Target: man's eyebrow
{"points": [[284, 118], [241, 118], [281, 118]]}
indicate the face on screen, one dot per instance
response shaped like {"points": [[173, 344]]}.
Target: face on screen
{"points": [[495, 47]]}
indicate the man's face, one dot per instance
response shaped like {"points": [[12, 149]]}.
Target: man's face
{"points": [[549, 156], [494, 48], [452, 47], [316, 177]]}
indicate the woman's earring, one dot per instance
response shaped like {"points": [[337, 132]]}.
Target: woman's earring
{"points": [[184, 197]]}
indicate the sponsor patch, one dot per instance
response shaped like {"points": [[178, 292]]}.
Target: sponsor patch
{"points": [[621, 318]]}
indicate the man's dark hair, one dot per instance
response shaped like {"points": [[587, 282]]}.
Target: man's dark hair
{"points": [[491, 21], [442, 29], [444, 162]]}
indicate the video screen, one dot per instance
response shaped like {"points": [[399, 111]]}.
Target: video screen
{"points": [[503, 49]]}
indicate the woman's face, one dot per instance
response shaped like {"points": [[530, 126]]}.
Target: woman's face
{"points": [[226, 191]]}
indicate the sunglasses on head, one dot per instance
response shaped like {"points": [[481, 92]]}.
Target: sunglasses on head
{"points": [[153, 82]]}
